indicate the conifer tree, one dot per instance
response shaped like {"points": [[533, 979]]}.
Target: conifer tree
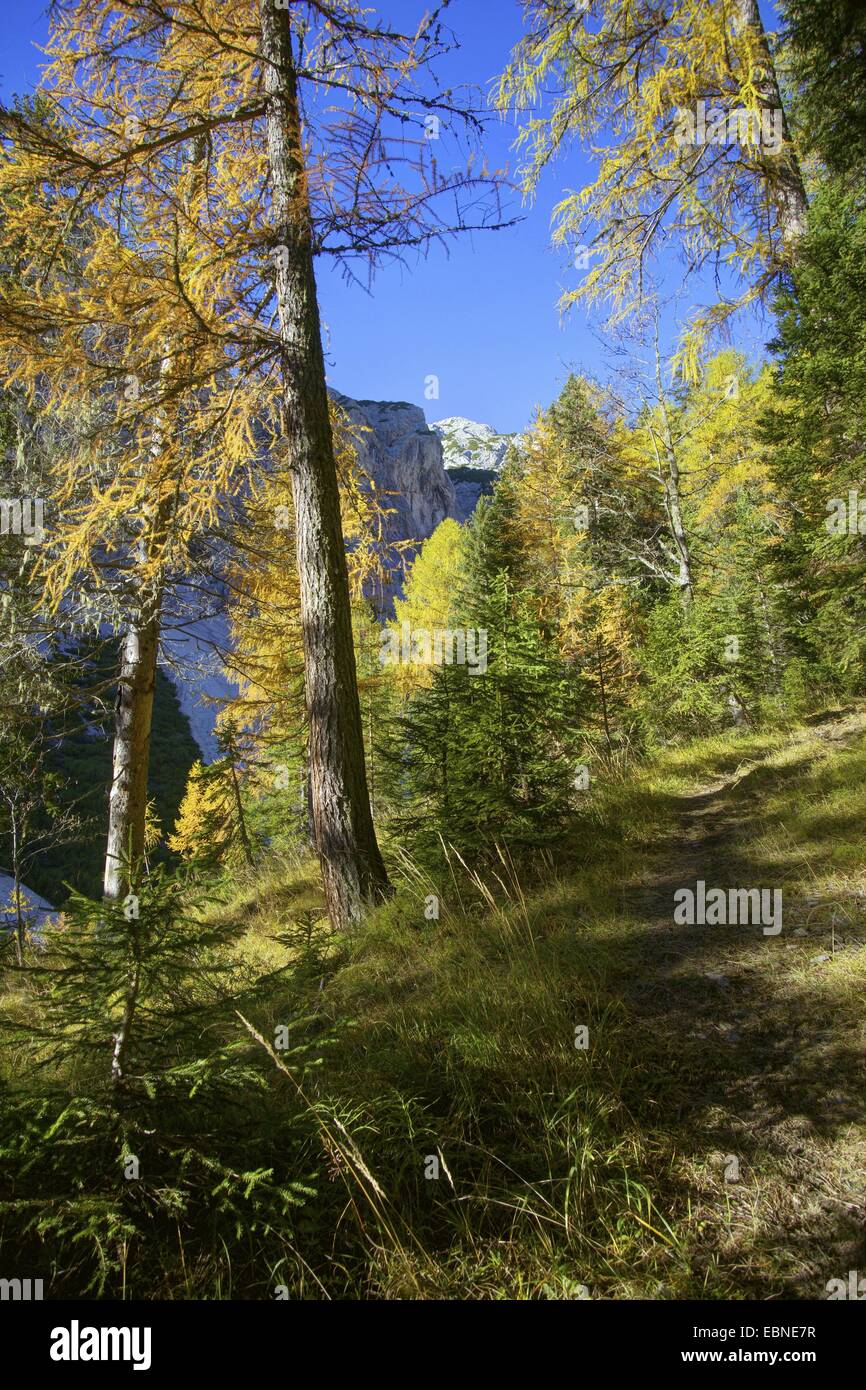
{"points": [[428, 598], [487, 755], [584, 508], [213, 824], [161, 1134], [815, 434], [266, 657], [188, 123], [826, 40], [727, 659]]}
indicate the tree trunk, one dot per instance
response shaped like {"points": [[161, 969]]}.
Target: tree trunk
{"points": [[352, 868], [20, 933], [239, 810], [673, 500], [307, 804], [603, 692], [133, 708], [133, 715], [675, 512], [782, 173], [122, 1037]]}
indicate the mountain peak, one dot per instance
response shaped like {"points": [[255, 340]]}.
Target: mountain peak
{"points": [[471, 444]]}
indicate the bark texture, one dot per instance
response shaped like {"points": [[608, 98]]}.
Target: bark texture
{"points": [[133, 717], [352, 868], [782, 172]]}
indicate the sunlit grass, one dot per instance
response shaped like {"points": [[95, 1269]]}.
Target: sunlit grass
{"points": [[562, 1171]]}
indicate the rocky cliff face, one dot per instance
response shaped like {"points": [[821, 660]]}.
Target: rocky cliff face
{"points": [[403, 456], [192, 659]]}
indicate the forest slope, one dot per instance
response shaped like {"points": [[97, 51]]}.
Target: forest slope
{"points": [[709, 1142], [552, 1090]]}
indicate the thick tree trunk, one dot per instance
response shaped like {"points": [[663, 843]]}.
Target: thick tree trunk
{"points": [[352, 867], [782, 172], [133, 716]]}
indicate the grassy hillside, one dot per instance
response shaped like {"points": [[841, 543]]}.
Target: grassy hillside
{"points": [[449, 1047]]}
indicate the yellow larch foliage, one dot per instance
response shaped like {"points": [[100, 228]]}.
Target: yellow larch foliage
{"points": [[630, 82]]}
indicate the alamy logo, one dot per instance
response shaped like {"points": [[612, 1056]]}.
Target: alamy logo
{"points": [[23, 516], [848, 517], [20, 1290], [717, 127], [719, 907], [855, 1287], [76, 1343], [418, 646]]}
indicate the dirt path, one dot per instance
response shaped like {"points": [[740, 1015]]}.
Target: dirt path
{"points": [[752, 1045]]}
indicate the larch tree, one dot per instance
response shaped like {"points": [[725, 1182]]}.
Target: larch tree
{"points": [[656, 436], [679, 103], [212, 820], [428, 599], [211, 150], [109, 347]]}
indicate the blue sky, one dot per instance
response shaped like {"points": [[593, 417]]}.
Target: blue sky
{"points": [[482, 318]]}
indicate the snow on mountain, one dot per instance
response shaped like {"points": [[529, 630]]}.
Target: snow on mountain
{"points": [[469, 444], [474, 454]]}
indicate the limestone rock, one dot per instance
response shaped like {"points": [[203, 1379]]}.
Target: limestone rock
{"points": [[403, 456]]}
